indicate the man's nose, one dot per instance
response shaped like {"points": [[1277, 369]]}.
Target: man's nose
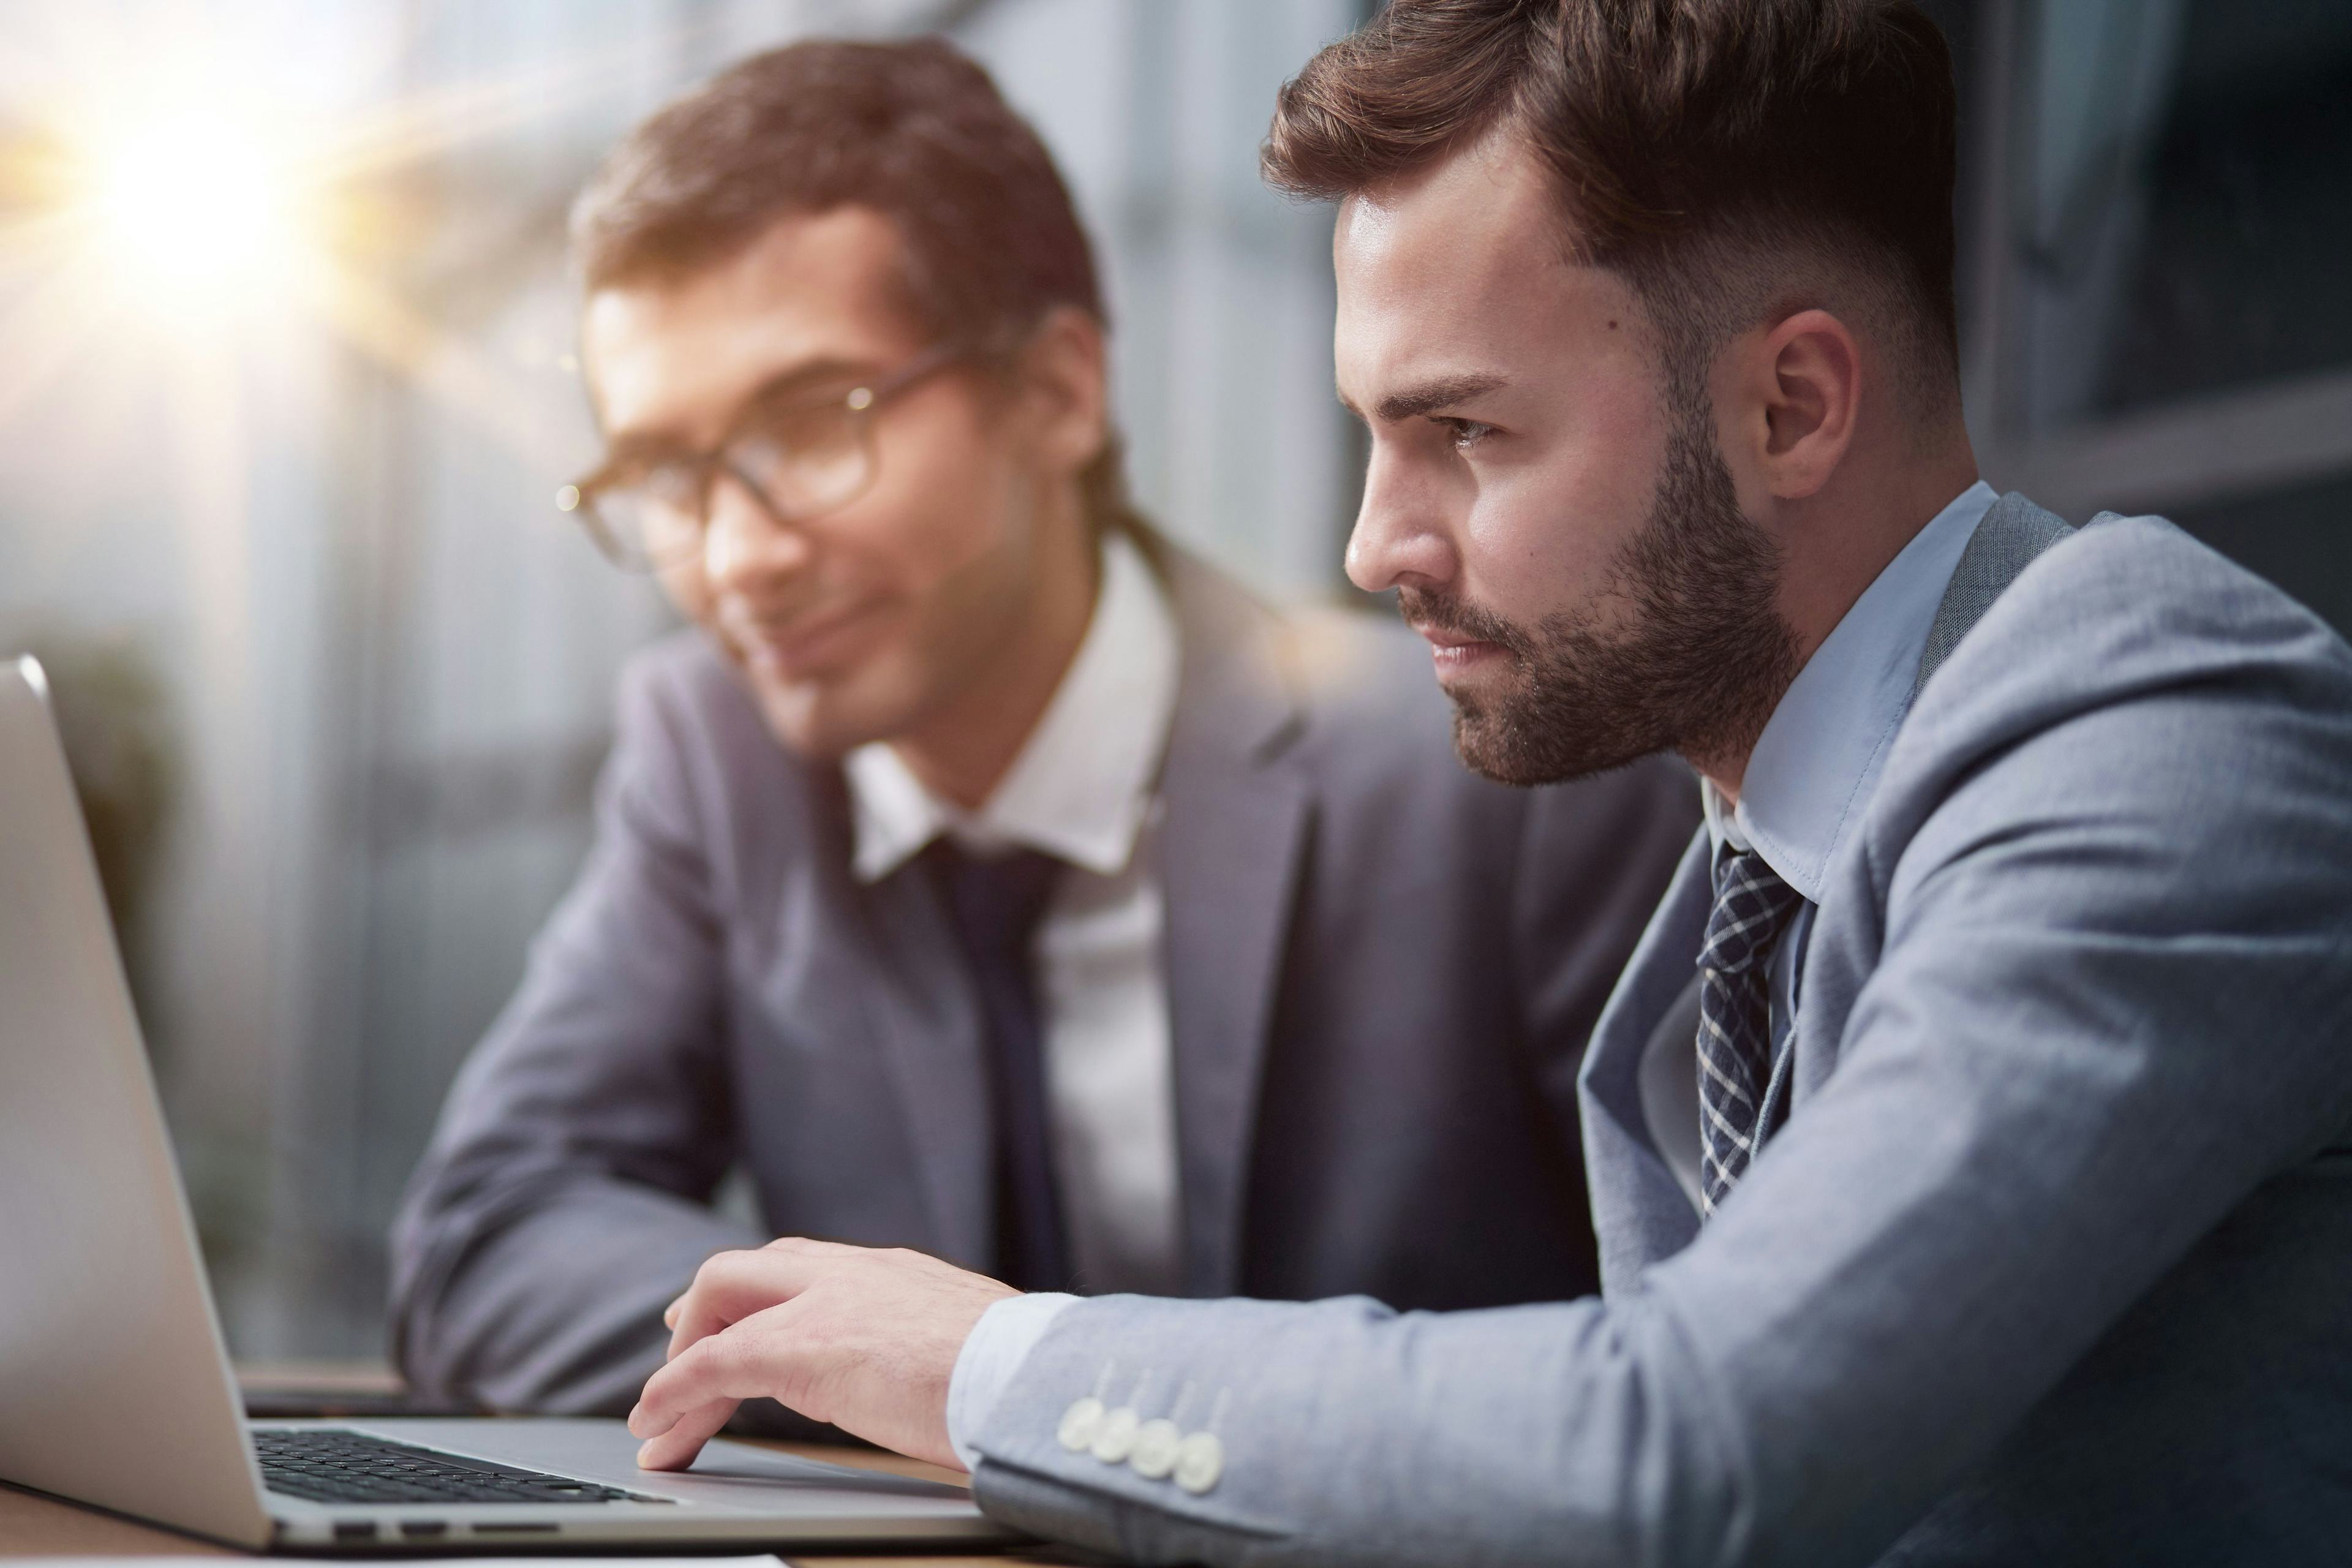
{"points": [[1400, 535], [744, 547]]}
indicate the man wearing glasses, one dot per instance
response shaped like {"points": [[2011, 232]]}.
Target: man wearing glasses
{"points": [[984, 874]]}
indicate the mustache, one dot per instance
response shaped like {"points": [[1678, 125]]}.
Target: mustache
{"points": [[1458, 618]]}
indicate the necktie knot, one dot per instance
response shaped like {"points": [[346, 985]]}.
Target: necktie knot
{"points": [[997, 900], [1751, 906]]}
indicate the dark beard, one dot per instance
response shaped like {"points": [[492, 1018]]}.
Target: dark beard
{"points": [[1705, 660]]}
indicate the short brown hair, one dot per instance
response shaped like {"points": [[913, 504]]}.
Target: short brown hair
{"points": [[1698, 145], [914, 131]]}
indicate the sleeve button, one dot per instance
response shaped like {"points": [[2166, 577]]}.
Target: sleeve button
{"points": [[1116, 1441], [1080, 1422], [1156, 1442], [1199, 1460]]}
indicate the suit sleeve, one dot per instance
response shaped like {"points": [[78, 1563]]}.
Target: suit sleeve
{"points": [[2104, 1022], [563, 1200]]}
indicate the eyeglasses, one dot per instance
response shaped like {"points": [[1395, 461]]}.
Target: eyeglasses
{"points": [[797, 456]]}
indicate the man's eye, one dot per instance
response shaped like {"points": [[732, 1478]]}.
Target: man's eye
{"points": [[1464, 434]]}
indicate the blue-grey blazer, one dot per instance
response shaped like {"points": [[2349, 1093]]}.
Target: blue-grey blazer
{"points": [[1381, 973], [2052, 1260]]}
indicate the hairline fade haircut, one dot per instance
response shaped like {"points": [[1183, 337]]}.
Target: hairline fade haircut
{"points": [[1733, 160], [915, 131]]}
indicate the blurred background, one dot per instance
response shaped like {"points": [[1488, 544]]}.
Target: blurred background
{"points": [[286, 388]]}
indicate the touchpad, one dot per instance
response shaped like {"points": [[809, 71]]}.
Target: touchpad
{"points": [[726, 1473]]}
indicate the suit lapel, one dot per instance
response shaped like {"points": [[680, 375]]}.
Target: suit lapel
{"points": [[1237, 810], [1639, 1211]]}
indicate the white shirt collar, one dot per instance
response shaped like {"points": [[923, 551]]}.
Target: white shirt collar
{"points": [[1081, 788], [1818, 760]]}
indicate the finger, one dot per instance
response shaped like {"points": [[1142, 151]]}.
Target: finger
{"points": [[692, 1326], [730, 1364], [676, 1448], [731, 1286], [688, 1324], [721, 1295]]}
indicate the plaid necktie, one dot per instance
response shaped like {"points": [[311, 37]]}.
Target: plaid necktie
{"points": [[1752, 906]]}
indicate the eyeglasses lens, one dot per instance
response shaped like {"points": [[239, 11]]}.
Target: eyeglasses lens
{"points": [[649, 525], [803, 462]]}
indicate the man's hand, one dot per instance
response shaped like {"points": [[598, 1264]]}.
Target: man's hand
{"points": [[862, 1338]]}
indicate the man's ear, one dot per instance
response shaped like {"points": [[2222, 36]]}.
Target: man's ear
{"points": [[1065, 383], [1800, 392]]}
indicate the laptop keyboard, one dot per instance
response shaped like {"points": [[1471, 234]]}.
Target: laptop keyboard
{"points": [[327, 1464]]}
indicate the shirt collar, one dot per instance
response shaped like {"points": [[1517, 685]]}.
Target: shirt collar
{"points": [[1081, 788], [1815, 764]]}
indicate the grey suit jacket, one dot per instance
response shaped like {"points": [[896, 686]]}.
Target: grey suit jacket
{"points": [[2052, 1260], [1381, 970]]}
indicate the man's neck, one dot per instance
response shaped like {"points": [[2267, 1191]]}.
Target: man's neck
{"points": [[1836, 543], [964, 754]]}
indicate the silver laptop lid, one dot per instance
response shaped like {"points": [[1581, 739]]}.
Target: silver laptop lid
{"points": [[115, 1386]]}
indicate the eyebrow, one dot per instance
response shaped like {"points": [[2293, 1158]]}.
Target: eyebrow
{"points": [[1430, 396], [802, 381]]}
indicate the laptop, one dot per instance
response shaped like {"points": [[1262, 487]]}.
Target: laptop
{"points": [[115, 1387]]}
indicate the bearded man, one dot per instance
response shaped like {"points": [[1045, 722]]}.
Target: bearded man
{"points": [[1971, 1133]]}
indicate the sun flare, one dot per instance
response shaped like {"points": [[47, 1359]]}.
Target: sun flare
{"points": [[194, 203], [239, 198]]}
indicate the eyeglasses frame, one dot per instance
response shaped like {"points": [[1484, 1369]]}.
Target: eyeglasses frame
{"points": [[861, 402]]}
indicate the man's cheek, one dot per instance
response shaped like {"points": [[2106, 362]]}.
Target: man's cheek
{"points": [[1517, 553], [686, 588], [1551, 537]]}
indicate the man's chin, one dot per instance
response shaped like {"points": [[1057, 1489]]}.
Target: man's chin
{"points": [[1523, 751], [1490, 728], [824, 720], [1489, 750]]}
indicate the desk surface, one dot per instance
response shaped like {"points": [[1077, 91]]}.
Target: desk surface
{"points": [[35, 1526]]}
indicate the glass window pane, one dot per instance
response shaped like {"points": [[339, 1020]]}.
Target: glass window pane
{"points": [[2188, 211]]}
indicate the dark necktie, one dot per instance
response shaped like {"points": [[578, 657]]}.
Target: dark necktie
{"points": [[996, 903], [1752, 906]]}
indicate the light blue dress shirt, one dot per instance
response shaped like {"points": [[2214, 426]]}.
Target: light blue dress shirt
{"points": [[1808, 778]]}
